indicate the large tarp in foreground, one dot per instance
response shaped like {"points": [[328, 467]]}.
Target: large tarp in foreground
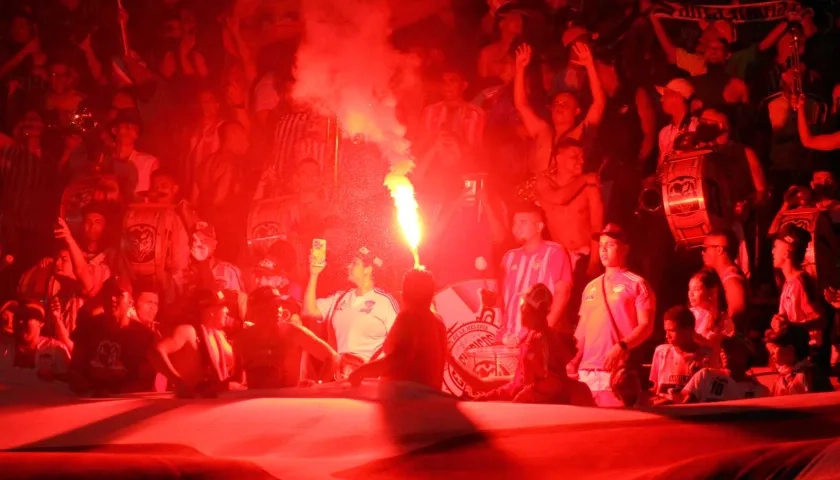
{"points": [[402, 431]]}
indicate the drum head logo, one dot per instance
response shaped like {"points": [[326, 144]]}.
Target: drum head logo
{"points": [[683, 196], [472, 328], [140, 243], [264, 234]]}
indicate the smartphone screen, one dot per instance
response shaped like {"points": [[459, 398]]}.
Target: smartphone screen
{"points": [[319, 251]]}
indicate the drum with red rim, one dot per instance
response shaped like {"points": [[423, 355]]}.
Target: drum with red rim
{"points": [[695, 196]]}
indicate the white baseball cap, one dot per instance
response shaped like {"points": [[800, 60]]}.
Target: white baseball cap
{"points": [[679, 85]]}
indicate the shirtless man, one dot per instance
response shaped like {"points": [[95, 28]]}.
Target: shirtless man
{"points": [[573, 207], [565, 108], [719, 250], [197, 358]]}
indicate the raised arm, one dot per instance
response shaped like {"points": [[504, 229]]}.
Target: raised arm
{"points": [[310, 299], [80, 266], [664, 39], [159, 355], [599, 98], [825, 143], [647, 118], [757, 174], [535, 125]]}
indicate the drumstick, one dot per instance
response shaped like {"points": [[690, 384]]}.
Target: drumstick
{"points": [[123, 31]]}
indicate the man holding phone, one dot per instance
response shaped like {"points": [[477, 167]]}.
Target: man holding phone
{"points": [[357, 320]]}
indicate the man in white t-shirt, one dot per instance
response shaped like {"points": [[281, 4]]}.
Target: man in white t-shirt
{"points": [[359, 319], [732, 382], [616, 316]]}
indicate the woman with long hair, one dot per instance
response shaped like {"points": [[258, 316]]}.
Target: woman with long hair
{"points": [[541, 372], [706, 303]]}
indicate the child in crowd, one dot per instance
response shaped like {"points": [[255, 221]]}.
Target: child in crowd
{"points": [[789, 351], [675, 362], [732, 382]]}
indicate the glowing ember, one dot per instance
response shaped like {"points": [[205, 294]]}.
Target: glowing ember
{"points": [[402, 191]]}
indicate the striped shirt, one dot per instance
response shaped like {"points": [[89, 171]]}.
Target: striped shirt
{"points": [[549, 264], [465, 121], [361, 323], [25, 179], [298, 135]]}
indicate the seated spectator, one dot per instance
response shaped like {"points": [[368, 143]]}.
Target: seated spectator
{"points": [[732, 382], [205, 270], [278, 270], [269, 350], [48, 356], [197, 358], [90, 258], [53, 279], [712, 322], [678, 360], [541, 372], [789, 351], [109, 352], [415, 348]]}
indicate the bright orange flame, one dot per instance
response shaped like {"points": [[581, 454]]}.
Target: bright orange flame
{"points": [[408, 216]]}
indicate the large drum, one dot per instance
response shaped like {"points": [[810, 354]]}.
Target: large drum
{"points": [[147, 237], [471, 329], [820, 258], [695, 196], [266, 224]]}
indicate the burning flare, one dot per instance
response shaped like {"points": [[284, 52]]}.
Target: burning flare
{"points": [[402, 191], [346, 67]]}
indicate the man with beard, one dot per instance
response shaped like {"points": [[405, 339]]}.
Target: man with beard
{"points": [[269, 350], [197, 358], [109, 352], [573, 207], [535, 261]]}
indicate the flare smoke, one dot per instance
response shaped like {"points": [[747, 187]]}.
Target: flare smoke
{"points": [[345, 67]]}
